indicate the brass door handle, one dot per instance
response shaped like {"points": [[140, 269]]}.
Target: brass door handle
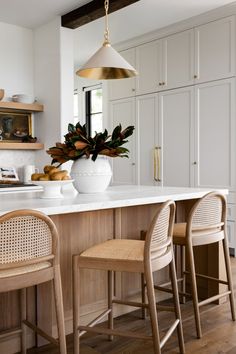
{"points": [[157, 163]]}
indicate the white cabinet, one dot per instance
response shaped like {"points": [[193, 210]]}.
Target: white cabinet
{"points": [[215, 134], [149, 67], [175, 136], [124, 87], [165, 138], [215, 50], [231, 214], [165, 63], [124, 169], [147, 139], [178, 60]]}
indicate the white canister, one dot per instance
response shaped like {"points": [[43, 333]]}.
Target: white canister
{"points": [[28, 171]]}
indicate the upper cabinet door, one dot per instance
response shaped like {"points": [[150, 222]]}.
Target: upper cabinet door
{"points": [[148, 61], [123, 88], [178, 60], [215, 50], [215, 134]]}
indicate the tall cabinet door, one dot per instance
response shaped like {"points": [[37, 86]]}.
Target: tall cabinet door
{"points": [[215, 50], [147, 126], [149, 65], [215, 134], [124, 169], [123, 88], [176, 115], [178, 60]]}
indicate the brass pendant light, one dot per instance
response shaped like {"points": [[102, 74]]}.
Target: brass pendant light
{"points": [[106, 63]]}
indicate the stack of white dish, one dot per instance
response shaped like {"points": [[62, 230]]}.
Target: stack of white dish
{"points": [[22, 98]]}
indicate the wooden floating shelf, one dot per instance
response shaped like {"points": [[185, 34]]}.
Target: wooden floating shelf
{"points": [[21, 146], [33, 107]]}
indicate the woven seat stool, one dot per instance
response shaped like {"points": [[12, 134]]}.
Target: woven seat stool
{"points": [[206, 224], [29, 255], [136, 256]]}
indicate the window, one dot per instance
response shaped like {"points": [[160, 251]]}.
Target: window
{"points": [[93, 109]]}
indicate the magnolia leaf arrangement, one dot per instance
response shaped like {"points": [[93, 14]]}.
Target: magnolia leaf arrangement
{"points": [[78, 143]]}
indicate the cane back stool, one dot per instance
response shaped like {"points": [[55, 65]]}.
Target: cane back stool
{"points": [[206, 224], [137, 256], [29, 255]]}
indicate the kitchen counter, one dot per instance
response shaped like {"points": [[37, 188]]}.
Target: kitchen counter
{"points": [[84, 220], [113, 197]]}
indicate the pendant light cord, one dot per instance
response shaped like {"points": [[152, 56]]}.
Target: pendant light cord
{"points": [[106, 33]]}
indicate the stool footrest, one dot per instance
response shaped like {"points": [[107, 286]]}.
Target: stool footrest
{"points": [[208, 278], [96, 320], [166, 290], [41, 332], [107, 331], [129, 303], [169, 333], [213, 298]]}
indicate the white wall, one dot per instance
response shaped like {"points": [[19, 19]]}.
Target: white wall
{"points": [[16, 76], [16, 60], [54, 84]]}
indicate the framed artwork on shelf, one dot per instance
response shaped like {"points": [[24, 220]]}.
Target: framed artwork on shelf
{"points": [[8, 174], [15, 126]]}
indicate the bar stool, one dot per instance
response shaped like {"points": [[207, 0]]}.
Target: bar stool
{"points": [[29, 255], [137, 256], [206, 224]]}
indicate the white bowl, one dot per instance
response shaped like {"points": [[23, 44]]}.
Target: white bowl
{"points": [[52, 189], [23, 98]]}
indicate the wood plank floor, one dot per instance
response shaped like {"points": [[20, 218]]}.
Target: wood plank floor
{"points": [[219, 333]]}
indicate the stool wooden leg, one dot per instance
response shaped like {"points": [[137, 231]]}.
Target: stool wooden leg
{"points": [[152, 310], [189, 250], [76, 304], [23, 301], [174, 285], [183, 275], [110, 299], [229, 276], [59, 309], [143, 296]]}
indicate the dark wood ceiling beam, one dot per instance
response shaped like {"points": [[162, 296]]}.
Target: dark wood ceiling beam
{"points": [[91, 11]]}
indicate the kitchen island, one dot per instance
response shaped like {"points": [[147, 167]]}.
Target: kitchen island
{"points": [[84, 220]]}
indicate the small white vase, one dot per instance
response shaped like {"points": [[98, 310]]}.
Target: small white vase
{"points": [[91, 176]]}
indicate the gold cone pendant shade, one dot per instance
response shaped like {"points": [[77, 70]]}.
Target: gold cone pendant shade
{"points": [[106, 63]]}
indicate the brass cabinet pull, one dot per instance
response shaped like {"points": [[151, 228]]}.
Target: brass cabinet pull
{"points": [[157, 163]]}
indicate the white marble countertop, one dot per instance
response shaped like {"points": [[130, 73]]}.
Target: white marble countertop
{"points": [[113, 197]]}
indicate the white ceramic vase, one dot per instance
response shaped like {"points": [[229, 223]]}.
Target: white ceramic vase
{"points": [[91, 176]]}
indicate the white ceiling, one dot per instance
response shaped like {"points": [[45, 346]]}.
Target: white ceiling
{"points": [[33, 13], [141, 17], [134, 20]]}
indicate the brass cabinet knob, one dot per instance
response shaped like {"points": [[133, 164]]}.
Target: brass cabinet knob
{"points": [[160, 83], [195, 163], [195, 76], [163, 83], [133, 90]]}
